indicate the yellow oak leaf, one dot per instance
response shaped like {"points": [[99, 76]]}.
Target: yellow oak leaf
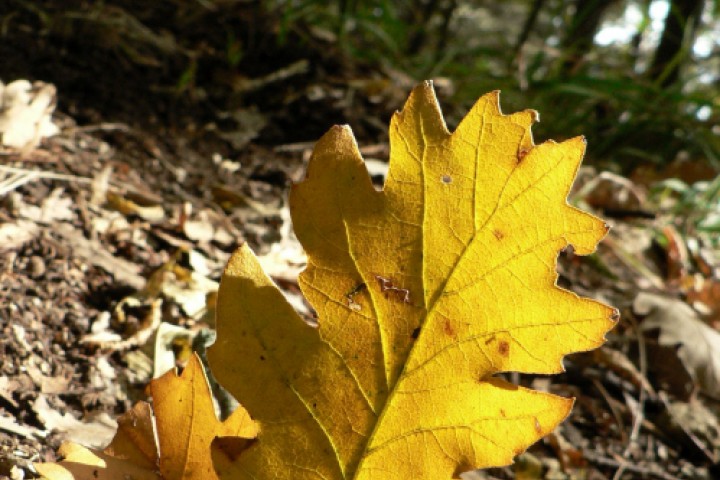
{"points": [[424, 292], [186, 426]]}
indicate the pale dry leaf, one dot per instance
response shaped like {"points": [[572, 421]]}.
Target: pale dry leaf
{"points": [[26, 113], [96, 433], [679, 325]]}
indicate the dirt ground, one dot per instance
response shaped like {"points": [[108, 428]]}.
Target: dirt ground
{"points": [[114, 232]]}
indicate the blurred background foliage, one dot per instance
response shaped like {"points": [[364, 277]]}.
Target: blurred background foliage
{"points": [[639, 78]]}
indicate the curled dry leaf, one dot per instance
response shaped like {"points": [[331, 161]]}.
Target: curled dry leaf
{"points": [[698, 345], [424, 292], [185, 426]]}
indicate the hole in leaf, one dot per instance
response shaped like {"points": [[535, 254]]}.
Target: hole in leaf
{"points": [[446, 179]]}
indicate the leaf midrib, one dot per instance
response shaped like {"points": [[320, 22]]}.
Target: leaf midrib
{"points": [[434, 302]]}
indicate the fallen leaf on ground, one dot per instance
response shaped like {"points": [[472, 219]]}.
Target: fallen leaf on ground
{"points": [[26, 113], [693, 425], [95, 432], [14, 235], [151, 213], [92, 252], [679, 326], [186, 425], [55, 206], [704, 294], [172, 344], [424, 292], [80, 463]]}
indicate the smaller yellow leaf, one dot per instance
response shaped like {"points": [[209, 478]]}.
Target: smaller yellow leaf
{"points": [[135, 437], [186, 427]]}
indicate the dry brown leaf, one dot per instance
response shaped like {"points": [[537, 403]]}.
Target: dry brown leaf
{"points": [[185, 425], [679, 325]]}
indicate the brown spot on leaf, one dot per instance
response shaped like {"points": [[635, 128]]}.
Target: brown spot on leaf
{"points": [[504, 348], [502, 413], [522, 153], [538, 428], [448, 328], [386, 285], [415, 333], [498, 234]]}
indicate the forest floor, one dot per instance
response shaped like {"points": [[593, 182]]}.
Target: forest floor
{"points": [[114, 233]]}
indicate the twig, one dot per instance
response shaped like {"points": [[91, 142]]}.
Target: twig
{"points": [[16, 180], [697, 443], [46, 175], [638, 414], [527, 27], [633, 263], [609, 401], [609, 462], [21, 176], [100, 127], [642, 396]]}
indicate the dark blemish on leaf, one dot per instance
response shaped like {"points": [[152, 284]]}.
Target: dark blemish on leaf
{"points": [[262, 357], [314, 405], [446, 179], [538, 428], [522, 153], [357, 289], [502, 413], [415, 333], [489, 340], [504, 348], [498, 234], [447, 327], [386, 285], [350, 296]]}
